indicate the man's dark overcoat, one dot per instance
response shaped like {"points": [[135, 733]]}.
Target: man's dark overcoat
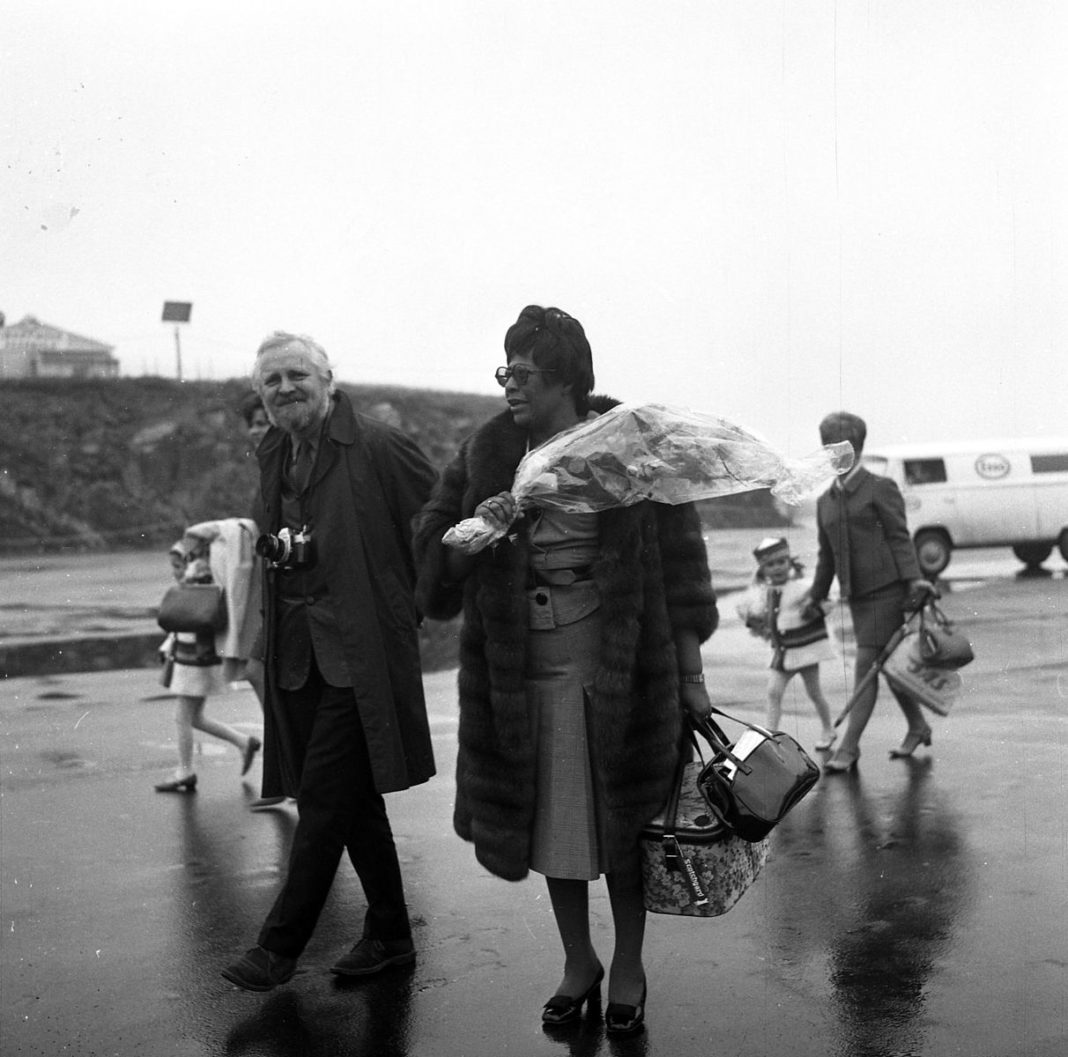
{"points": [[652, 574], [369, 481]]}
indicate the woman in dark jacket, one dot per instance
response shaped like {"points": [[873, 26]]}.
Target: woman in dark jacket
{"points": [[864, 541], [581, 639]]}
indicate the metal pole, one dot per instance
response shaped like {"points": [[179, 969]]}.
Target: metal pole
{"points": [[178, 351]]}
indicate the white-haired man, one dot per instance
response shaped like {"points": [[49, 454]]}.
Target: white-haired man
{"points": [[344, 718]]}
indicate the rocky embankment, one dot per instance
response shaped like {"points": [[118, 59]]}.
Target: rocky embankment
{"points": [[104, 464]]}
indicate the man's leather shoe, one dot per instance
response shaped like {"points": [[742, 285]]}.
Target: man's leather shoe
{"points": [[261, 970], [372, 956]]}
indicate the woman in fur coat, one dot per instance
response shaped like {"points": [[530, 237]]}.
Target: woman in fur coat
{"points": [[580, 646]]}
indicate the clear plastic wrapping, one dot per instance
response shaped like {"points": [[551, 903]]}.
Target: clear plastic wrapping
{"points": [[652, 451]]}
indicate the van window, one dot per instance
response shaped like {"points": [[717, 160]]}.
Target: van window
{"points": [[1049, 463], [875, 464], [925, 471]]}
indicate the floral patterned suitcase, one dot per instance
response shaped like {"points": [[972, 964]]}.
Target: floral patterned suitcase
{"points": [[691, 863]]}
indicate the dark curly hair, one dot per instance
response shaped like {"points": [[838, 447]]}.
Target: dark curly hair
{"points": [[842, 425], [554, 341]]}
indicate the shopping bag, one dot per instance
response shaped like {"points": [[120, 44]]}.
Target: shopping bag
{"points": [[932, 686]]}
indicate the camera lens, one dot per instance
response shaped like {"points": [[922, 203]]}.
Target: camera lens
{"points": [[273, 548]]}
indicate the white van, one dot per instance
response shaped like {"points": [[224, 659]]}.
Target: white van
{"points": [[987, 493]]}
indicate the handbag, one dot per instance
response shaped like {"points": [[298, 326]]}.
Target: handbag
{"points": [[692, 865], [751, 785], [193, 607], [941, 645]]}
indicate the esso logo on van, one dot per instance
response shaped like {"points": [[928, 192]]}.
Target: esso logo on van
{"points": [[992, 466]]}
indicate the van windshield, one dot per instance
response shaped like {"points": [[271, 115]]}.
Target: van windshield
{"points": [[875, 463]]}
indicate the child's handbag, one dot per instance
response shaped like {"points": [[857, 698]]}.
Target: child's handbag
{"points": [[193, 607], [751, 785], [692, 864]]}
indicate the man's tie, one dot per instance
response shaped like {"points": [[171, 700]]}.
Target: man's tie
{"points": [[301, 467]]}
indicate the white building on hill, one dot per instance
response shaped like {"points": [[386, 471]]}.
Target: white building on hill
{"points": [[31, 349]]}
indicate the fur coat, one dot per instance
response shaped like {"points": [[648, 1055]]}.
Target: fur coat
{"points": [[653, 578]]}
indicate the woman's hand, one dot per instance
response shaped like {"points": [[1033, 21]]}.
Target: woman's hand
{"points": [[694, 698], [499, 510], [920, 593], [810, 609]]}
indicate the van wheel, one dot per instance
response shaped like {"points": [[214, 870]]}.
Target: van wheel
{"points": [[1062, 545], [933, 551], [1033, 554]]}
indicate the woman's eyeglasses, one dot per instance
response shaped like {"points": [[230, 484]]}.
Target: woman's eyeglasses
{"points": [[520, 372]]}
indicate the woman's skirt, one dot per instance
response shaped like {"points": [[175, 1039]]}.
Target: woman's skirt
{"points": [[561, 666], [878, 615]]}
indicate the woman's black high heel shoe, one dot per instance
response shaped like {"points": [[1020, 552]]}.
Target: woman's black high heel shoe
{"points": [[563, 1009], [620, 1019], [911, 743]]}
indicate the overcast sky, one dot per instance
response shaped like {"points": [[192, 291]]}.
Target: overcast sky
{"points": [[767, 210]]}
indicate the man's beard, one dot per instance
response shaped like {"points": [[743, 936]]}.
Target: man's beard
{"points": [[299, 416]]}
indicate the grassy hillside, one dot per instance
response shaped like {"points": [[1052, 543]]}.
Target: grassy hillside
{"points": [[129, 462]]}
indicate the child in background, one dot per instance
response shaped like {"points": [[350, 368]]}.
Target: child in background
{"points": [[197, 675], [773, 609]]}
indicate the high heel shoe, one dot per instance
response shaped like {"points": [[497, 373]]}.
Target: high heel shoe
{"points": [[563, 1009], [825, 744], [841, 762], [621, 1019], [252, 746], [179, 785], [913, 740]]}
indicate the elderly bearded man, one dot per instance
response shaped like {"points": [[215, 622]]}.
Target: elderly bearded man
{"points": [[344, 719]]}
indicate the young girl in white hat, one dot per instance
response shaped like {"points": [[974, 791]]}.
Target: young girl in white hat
{"points": [[773, 609]]}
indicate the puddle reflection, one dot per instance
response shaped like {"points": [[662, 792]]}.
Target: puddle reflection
{"points": [[885, 877], [369, 1019]]}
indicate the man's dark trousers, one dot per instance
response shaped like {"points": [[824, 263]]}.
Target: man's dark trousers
{"points": [[339, 810]]}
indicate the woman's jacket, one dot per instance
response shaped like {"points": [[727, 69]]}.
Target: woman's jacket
{"points": [[652, 575]]}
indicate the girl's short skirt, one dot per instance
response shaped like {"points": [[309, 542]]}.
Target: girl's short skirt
{"points": [[193, 680]]}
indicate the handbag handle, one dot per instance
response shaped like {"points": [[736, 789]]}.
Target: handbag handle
{"points": [[671, 811], [674, 856], [711, 732], [932, 611]]}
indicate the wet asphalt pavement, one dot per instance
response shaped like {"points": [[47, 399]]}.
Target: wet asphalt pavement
{"points": [[915, 908]]}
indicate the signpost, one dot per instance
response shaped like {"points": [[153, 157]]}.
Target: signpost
{"points": [[177, 312]]}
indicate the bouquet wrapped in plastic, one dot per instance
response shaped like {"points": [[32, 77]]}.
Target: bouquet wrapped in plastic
{"points": [[651, 451]]}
